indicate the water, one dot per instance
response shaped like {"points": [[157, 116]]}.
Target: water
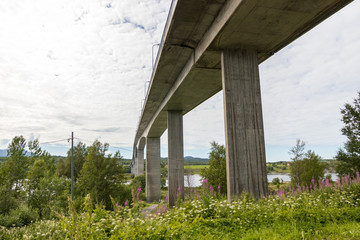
{"points": [[196, 180], [286, 177]]}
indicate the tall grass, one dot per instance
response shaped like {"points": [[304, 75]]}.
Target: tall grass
{"points": [[323, 211]]}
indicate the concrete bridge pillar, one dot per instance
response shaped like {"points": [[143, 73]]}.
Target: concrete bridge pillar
{"points": [[244, 132], [134, 167], [140, 162], [175, 156], [153, 169]]}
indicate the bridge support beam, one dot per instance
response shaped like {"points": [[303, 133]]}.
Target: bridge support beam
{"points": [[244, 132], [175, 156], [140, 162], [153, 169]]}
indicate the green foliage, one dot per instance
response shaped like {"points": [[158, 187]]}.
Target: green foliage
{"points": [[305, 167], [325, 213], [101, 175], [12, 174], [64, 166], [349, 159], [8, 200], [49, 196], [276, 181], [30, 189], [302, 172], [269, 168], [139, 182], [216, 172], [13, 170], [45, 191], [21, 216], [277, 167], [298, 150], [163, 172]]}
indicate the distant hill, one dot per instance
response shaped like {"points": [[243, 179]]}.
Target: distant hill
{"points": [[3, 153], [191, 160], [195, 159]]}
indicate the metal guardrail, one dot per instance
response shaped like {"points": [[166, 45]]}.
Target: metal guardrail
{"points": [[161, 45]]}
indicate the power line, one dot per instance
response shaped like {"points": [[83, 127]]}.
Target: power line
{"points": [[55, 141], [80, 139], [121, 148]]}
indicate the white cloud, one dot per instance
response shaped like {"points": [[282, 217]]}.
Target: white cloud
{"points": [[75, 66], [81, 65]]}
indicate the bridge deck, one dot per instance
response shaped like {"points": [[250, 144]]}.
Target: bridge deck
{"points": [[187, 70]]}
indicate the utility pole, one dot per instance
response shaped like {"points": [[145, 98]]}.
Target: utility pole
{"points": [[72, 166]]}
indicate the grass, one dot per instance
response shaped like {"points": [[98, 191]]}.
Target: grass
{"points": [[195, 169], [195, 166], [328, 211]]}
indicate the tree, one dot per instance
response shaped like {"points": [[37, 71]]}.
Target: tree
{"points": [[164, 173], [13, 170], [305, 166], [295, 167], [298, 150], [276, 181], [64, 168], [45, 190], [348, 159], [216, 172], [101, 175]]}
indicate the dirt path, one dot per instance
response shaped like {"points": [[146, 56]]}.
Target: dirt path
{"points": [[147, 211]]}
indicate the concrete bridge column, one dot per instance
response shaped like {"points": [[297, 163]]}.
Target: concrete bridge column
{"points": [[244, 132], [140, 162], [175, 156], [134, 167], [153, 169]]}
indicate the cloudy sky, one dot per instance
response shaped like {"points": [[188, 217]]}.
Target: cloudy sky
{"points": [[81, 65]]}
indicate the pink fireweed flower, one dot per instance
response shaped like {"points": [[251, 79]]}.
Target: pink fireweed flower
{"points": [[358, 176], [219, 187], [126, 203], [211, 188], [179, 189], [195, 191], [205, 181], [280, 193], [139, 189], [327, 182]]}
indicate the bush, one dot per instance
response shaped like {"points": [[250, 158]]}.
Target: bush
{"points": [[7, 200], [216, 172], [304, 172], [276, 182], [139, 182], [329, 211], [21, 216]]}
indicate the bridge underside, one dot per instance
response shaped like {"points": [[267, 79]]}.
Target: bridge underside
{"points": [[190, 69]]}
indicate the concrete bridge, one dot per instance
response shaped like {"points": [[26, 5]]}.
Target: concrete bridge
{"points": [[208, 46]]}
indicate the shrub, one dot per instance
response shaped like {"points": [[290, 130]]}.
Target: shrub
{"points": [[139, 182], [21, 216]]}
